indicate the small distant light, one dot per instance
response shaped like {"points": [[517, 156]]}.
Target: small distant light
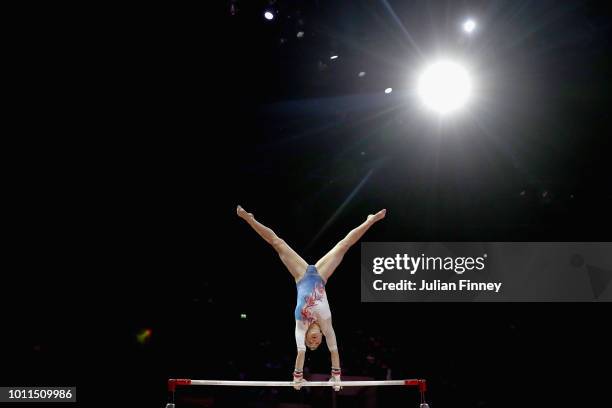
{"points": [[333, 57], [469, 26], [388, 90], [361, 74], [269, 15], [300, 34], [243, 316], [144, 335]]}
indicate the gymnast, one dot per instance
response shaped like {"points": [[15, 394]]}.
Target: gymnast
{"points": [[312, 313]]}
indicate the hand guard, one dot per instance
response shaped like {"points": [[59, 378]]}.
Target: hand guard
{"points": [[298, 379], [335, 378]]}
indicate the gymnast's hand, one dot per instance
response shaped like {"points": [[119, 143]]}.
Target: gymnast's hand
{"points": [[335, 378], [298, 379]]}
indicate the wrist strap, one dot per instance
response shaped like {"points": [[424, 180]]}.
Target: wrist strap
{"points": [[335, 371]]}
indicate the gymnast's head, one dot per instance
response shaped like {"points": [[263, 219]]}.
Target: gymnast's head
{"points": [[314, 336]]}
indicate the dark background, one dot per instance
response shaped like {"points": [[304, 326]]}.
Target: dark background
{"points": [[132, 133]]}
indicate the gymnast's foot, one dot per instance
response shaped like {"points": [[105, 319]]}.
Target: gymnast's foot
{"points": [[377, 217], [243, 214]]}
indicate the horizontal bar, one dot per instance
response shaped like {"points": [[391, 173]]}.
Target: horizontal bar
{"points": [[291, 383], [174, 382]]}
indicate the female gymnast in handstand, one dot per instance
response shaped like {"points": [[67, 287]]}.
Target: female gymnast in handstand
{"points": [[312, 313]]}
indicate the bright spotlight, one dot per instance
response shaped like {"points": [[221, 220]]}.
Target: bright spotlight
{"points": [[333, 57], [388, 90], [469, 26], [444, 86], [269, 15]]}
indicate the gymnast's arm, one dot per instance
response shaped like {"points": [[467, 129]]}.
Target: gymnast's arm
{"points": [[330, 338], [298, 372]]}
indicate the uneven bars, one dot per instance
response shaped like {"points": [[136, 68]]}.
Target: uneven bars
{"points": [[174, 382]]}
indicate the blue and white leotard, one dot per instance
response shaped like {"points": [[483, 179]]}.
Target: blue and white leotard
{"points": [[312, 306]]}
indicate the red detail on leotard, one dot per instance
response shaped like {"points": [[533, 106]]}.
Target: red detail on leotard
{"points": [[311, 301]]}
